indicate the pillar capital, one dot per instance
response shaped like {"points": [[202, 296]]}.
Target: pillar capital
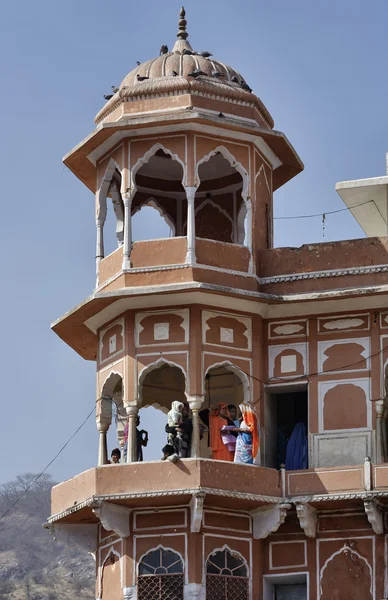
{"points": [[195, 402], [132, 410]]}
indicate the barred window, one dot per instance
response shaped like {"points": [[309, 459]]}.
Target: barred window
{"points": [[160, 576], [226, 576]]}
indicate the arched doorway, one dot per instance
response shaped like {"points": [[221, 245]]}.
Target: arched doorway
{"points": [[159, 385]]}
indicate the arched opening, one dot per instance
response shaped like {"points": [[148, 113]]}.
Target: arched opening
{"points": [[110, 209], [158, 184], [160, 385], [160, 575], [226, 384], [220, 209], [150, 222], [110, 409], [226, 576]]}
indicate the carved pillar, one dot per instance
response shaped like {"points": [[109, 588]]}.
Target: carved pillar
{"points": [[100, 220], [195, 403], [132, 411], [190, 256], [380, 450], [248, 202], [102, 443], [127, 199]]}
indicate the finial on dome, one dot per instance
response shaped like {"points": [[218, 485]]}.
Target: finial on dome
{"points": [[182, 33]]}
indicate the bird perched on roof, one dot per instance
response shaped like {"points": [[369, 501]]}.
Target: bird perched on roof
{"points": [[138, 63], [163, 49], [188, 52], [115, 89], [218, 74], [174, 74], [141, 78], [234, 79], [108, 97], [221, 115], [245, 86], [196, 73], [206, 54]]}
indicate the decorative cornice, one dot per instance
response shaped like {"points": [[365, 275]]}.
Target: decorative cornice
{"points": [[325, 274], [267, 519], [375, 515]]}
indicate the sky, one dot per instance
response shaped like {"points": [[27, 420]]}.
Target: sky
{"points": [[319, 67]]}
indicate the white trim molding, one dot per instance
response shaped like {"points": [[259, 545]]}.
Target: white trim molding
{"points": [[368, 270]]}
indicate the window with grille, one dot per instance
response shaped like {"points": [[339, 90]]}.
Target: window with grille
{"points": [[160, 576], [226, 576]]}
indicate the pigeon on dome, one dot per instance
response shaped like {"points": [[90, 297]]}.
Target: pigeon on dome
{"points": [[163, 50]]}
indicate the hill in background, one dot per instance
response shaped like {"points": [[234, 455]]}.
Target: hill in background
{"points": [[34, 566]]}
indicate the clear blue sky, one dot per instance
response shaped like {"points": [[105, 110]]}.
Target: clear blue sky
{"points": [[320, 67]]}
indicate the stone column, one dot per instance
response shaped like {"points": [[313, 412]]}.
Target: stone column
{"points": [[132, 411], [102, 427], [100, 220], [195, 403], [190, 256], [127, 199], [248, 202], [379, 432]]}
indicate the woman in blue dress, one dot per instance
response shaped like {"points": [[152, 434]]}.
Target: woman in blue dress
{"points": [[247, 444]]}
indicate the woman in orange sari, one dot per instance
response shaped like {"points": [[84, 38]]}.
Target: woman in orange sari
{"points": [[218, 419]]}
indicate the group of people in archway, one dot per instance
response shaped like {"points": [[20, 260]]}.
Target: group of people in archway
{"points": [[231, 437]]}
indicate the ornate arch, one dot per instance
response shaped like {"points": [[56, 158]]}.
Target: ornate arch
{"points": [[112, 552], [152, 367], [237, 371], [153, 202], [227, 581], [145, 159], [160, 547], [347, 549], [229, 549], [233, 163]]}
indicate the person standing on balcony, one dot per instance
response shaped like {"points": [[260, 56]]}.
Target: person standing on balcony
{"points": [[216, 420], [247, 444]]}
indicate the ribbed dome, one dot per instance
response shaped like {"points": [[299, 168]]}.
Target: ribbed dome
{"points": [[183, 70]]}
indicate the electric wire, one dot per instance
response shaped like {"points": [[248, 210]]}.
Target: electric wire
{"points": [[323, 213]]}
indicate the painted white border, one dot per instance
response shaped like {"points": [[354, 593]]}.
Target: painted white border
{"points": [[101, 564], [184, 313], [331, 318], [345, 539], [274, 351], [247, 321], [101, 335], [160, 538], [282, 568], [326, 386], [325, 345], [225, 538], [305, 334], [227, 526], [283, 578], [160, 511]]}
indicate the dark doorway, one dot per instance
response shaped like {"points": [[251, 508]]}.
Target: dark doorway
{"points": [[286, 424], [294, 591]]}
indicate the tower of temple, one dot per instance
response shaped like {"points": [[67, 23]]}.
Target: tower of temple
{"points": [[214, 315]]}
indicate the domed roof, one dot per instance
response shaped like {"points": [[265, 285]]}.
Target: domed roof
{"points": [[183, 70]]}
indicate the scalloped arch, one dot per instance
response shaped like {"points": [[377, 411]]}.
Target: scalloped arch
{"points": [[237, 371], [146, 157], [155, 204], [346, 548], [233, 163]]}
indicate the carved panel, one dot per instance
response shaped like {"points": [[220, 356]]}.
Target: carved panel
{"points": [[344, 355], [287, 360], [224, 329], [344, 404], [166, 327], [287, 329], [343, 323], [111, 341]]}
